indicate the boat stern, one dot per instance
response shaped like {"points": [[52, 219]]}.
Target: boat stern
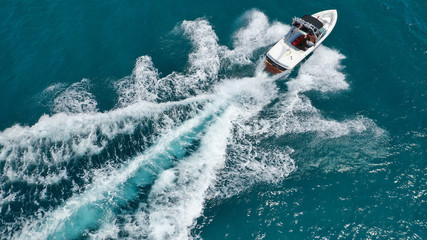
{"points": [[272, 67]]}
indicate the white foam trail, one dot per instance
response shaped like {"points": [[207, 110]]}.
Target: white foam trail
{"points": [[58, 138], [177, 197], [105, 187], [76, 99]]}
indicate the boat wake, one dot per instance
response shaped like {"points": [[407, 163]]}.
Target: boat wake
{"points": [[146, 168]]}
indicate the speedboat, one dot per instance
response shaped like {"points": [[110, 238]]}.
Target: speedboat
{"points": [[305, 35]]}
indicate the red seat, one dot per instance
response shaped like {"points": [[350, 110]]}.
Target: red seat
{"points": [[298, 40]]}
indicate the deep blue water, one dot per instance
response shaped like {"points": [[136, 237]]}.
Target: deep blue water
{"points": [[154, 120]]}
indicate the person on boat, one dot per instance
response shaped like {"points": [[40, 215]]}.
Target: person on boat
{"points": [[310, 40], [313, 38]]}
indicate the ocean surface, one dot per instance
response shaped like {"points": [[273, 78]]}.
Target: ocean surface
{"points": [[138, 119]]}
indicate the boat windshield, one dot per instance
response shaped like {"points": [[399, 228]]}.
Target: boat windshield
{"points": [[309, 24]]}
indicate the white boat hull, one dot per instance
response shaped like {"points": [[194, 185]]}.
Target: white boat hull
{"points": [[284, 55]]}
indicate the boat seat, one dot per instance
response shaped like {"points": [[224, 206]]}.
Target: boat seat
{"points": [[298, 40]]}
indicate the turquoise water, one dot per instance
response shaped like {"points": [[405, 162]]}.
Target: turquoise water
{"points": [[154, 120]]}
